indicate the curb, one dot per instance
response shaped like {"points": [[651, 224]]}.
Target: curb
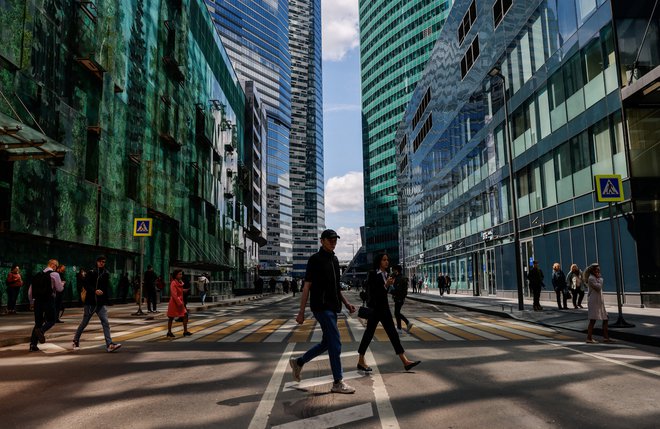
{"points": [[614, 332]]}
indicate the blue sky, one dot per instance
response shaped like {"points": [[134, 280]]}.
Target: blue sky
{"points": [[342, 135]]}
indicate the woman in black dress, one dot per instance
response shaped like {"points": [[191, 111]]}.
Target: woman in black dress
{"points": [[377, 286]]}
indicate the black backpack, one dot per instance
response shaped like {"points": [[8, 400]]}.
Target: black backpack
{"points": [[42, 288]]}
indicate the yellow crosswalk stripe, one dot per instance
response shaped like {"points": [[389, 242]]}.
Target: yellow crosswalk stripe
{"points": [[344, 332], [491, 329], [423, 334], [218, 335], [526, 328], [451, 329], [194, 329], [264, 331], [303, 332], [139, 333]]}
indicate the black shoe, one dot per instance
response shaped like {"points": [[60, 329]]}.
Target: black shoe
{"points": [[169, 334], [40, 336], [34, 348], [412, 365], [364, 368], [187, 334], [60, 321]]}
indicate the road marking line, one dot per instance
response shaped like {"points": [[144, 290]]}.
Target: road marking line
{"points": [[237, 336], [206, 330], [264, 331], [332, 419], [318, 381], [481, 330], [601, 357], [457, 334], [317, 335], [429, 333], [217, 335], [302, 332], [265, 407], [282, 332], [383, 405]]}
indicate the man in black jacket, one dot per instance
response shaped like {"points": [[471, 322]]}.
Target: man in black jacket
{"points": [[97, 289], [322, 287], [535, 279]]}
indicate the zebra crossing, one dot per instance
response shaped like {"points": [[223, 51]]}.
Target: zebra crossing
{"points": [[242, 329]]}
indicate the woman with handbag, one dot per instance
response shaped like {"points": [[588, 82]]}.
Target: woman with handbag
{"points": [[596, 303], [575, 283], [176, 306], [377, 286]]}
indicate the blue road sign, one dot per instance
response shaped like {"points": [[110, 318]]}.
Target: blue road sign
{"points": [[142, 227], [609, 188]]}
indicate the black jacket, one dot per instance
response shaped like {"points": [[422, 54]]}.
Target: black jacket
{"points": [[323, 273], [376, 291], [98, 278], [400, 291], [559, 280]]}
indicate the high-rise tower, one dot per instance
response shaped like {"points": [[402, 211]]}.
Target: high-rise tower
{"points": [[306, 144], [255, 34], [396, 39]]}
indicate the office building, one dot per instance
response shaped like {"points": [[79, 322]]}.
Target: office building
{"points": [[396, 39], [255, 34], [576, 82], [306, 143], [116, 116]]}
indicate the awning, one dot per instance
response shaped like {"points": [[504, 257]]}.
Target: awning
{"points": [[20, 142]]}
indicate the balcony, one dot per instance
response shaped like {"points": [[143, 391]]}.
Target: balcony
{"points": [[173, 69]]}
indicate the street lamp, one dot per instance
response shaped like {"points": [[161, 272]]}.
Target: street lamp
{"points": [[496, 72]]}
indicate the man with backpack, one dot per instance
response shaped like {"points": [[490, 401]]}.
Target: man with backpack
{"points": [[399, 293], [97, 289], [44, 286]]}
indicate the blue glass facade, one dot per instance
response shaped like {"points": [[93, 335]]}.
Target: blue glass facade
{"points": [[256, 37], [561, 76]]}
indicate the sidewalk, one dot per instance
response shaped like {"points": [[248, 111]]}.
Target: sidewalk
{"points": [[16, 328], [646, 320]]}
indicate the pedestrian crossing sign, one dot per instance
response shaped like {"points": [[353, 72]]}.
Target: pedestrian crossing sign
{"points": [[142, 227], [609, 188]]}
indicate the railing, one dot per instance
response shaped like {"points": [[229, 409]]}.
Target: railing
{"points": [[220, 290]]}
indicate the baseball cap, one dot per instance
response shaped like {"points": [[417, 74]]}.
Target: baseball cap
{"points": [[329, 233], [101, 258]]}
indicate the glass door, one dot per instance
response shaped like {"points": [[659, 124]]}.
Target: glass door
{"points": [[527, 255], [489, 274]]}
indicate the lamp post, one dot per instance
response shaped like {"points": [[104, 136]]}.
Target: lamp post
{"points": [[496, 72]]}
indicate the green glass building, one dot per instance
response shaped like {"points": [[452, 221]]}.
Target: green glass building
{"points": [[396, 39], [115, 110]]}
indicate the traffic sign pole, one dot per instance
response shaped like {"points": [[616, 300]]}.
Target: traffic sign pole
{"points": [[139, 312], [620, 323], [142, 227]]}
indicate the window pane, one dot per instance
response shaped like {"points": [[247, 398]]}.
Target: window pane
{"points": [[549, 190], [563, 172], [544, 112], [602, 148], [537, 44], [526, 55], [574, 81], [619, 152], [581, 157], [585, 7], [567, 19], [557, 101], [594, 89]]}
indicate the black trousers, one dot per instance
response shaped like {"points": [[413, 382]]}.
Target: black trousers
{"points": [[577, 293], [397, 314], [536, 294], [561, 295], [151, 299], [44, 318], [383, 316]]}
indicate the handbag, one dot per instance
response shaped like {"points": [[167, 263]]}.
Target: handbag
{"points": [[364, 312], [83, 294]]}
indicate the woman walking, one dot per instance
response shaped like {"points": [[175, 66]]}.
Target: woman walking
{"points": [[595, 302], [176, 307], [575, 283], [378, 283], [559, 285]]}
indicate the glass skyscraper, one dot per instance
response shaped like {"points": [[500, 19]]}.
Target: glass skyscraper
{"points": [[255, 34], [396, 39], [576, 83], [306, 145]]}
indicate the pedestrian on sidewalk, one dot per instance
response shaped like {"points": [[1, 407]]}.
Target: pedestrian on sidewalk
{"points": [[535, 279], [44, 286], [447, 283], [559, 285], [595, 302], [575, 283], [399, 294], [203, 287], [124, 284], [177, 307], [150, 290], [322, 288], [59, 296], [14, 283], [414, 283], [441, 283], [294, 286], [97, 291], [378, 283]]}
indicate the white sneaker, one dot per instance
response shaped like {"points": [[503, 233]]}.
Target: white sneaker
{"points": [[295, 368], [113, 347], [75, 345], [341, 387]]}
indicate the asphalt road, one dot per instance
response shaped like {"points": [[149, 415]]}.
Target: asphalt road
{"points": [[478, 372]]}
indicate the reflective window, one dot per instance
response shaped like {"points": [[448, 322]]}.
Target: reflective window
{"points": [[566, 19], [563, 172], [581, 159]]}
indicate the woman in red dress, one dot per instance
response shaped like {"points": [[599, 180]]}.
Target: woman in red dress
{"points": [[176, 307]]}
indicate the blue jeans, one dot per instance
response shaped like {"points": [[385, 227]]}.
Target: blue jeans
{"points": [[102, 313], [331, 342], [44, 318]]}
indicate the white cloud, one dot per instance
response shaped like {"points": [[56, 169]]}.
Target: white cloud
{"points": [[344, 193], [348, 243], [329, 108], [340, 28]]}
